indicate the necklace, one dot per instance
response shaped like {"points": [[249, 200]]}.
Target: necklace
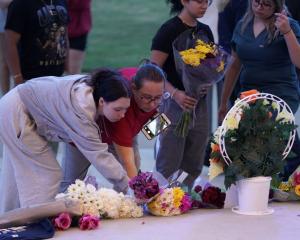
{"points": [[47, 6]]}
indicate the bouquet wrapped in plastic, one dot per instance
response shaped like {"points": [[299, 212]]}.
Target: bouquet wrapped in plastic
{"points": [[102, 202], [144, 187], [170, 202], [161, 196], [290, 190], [200, 63]]}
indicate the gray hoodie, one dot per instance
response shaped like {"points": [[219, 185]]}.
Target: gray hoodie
{"points": [[64, 110]]}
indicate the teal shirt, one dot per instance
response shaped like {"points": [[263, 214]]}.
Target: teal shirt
{"points": [[267, 67]]}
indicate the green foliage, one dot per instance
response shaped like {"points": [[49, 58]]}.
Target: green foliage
{"points": [[256, 146]]}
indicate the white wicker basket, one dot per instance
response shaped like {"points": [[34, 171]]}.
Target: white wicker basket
{"points": [[281, 104]]}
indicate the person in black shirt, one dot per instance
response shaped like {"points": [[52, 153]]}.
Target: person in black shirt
{"points": [[172, 152], [36, 38]]}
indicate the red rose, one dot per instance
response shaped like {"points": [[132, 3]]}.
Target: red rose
{"points": [[63, 221], [213, 196], [88, 222], [296, 179]]}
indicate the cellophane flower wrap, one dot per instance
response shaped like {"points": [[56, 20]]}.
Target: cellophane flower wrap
{"points": [[144, 186], [102, 202], [289, 190], [257, 134], [170, 202], [199, 63]]}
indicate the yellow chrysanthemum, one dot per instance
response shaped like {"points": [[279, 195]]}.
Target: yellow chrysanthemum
{"points": [[232, 122], [297, 190], [285, 186], [178, 194], [215, 169], [193, 56]]}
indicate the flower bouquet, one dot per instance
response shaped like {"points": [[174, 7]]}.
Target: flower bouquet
{"points": [[255, 136], [165, 200], [144, 187], [103, 202], [200, 63], [288, 191], [207, 197], [170, 202]]}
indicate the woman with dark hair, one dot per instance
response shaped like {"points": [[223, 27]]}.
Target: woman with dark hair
{"points": [[59, 109], [265, 50], [186, 153], [147, 84]]}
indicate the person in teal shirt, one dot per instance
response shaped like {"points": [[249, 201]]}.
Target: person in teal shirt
{"points": [[265, 50]]}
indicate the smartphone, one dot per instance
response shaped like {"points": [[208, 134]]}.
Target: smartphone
{"points": [[155, 126]]}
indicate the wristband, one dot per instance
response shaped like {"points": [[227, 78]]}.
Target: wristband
{"points": [[287, 32]]}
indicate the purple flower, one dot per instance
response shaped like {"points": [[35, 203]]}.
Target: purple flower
{"points": [[144, 186]]}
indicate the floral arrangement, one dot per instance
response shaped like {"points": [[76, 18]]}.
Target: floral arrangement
{"points": [[167, 200], [103, 202], [207, 197], [170, 202], [200, 63], [144, 186], [201, 54], [85, 222], [289, 190], [256, 134]]}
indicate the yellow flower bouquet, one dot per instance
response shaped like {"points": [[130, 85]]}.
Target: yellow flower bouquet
{"points": [[200, 63]]}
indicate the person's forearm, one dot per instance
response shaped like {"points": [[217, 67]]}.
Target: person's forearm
{"points": [[126, 155], [12, 57], [4, 3]]}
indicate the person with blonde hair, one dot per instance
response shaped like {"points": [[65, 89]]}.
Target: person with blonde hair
{"points": [[265, 50]]}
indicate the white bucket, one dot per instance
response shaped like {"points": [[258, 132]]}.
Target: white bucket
{"points": [[253, 196]]}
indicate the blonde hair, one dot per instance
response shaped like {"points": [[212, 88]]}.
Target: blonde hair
{"points": [[249, 15]]}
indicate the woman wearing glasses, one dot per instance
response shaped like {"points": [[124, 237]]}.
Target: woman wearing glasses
{"points": [[57, 109], [147, 84], [185, 153], [265, 50]]}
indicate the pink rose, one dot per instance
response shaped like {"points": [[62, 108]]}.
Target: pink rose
{"points": [[296, 178], [88, 222], [63, 221]]}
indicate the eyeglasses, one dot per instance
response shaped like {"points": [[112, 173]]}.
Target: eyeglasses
{"points": [[263, 4], [148, 99], [203, 2]]}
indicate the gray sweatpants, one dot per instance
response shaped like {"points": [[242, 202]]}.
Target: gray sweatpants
{"points": [[30, 173], [174, 153]]}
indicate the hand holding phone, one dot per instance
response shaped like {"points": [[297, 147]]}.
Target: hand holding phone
{"points": [[155, 126]]}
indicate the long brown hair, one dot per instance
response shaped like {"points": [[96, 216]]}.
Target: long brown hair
{"points": [[249, 16]]}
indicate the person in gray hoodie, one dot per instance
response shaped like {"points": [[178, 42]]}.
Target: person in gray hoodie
{"points": [[59, 109]]}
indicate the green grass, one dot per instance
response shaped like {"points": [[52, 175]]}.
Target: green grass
{"points": [[122, 31]]}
